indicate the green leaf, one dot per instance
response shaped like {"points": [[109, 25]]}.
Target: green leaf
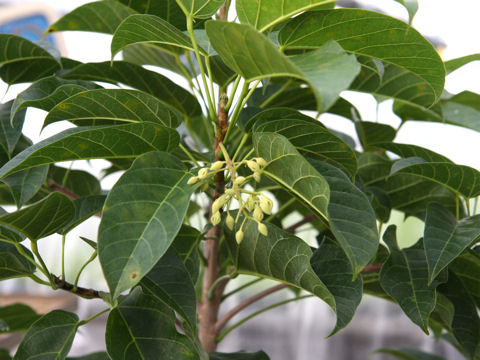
{"points": [[127, 336], [444, 312], [136, 76], [371, 133], [12, 263], [309, 136], [79, 182], [290, 169], [411, 6], [445, 237], [46, 93], [186, 246], [328, 69], [279, 256], [123, 106], [22, 61], [260, 355], [462, 180], [170, 283], [25, 184], [99, 16], [42, 218], [141, 217], [467, 268], [95, 142], [17, 317], [404, 276], [52, 334], [202, 9], [462, 110], [10, 129], [454, 64], [85, 207], [94, 356], [333, 267], [370, 34], [409, 354], [265, 14], [5, 354], [148, 29], [408, 150], [350, 216]]}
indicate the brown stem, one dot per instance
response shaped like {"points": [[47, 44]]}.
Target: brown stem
{"points": [[229, 315], [307, 219], [57, 187], [222, 13], [372, 268], [79, 291]]}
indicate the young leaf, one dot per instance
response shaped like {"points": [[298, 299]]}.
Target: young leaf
{"points": [[404, 276], [170, 283], [263, 16], [128, 337], [454, 64], [136, 76], [202, 9], [370, 34], [148, 29], [290, 169], [462, 110], [12, 263], [123, 106], [333, 267], [350, 216], [411, 6], [141, 217], [328, 69], [109, 142], [42, 218], [409, 354], [10, 128], [17, 317], [25, 184], [52, 334], [445, 237]]}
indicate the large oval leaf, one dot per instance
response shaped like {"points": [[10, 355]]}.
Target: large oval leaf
{"points": [[95, 142], [25, 184], [113, 105], [290, 169], [12, 263], [408, 150], [202, 9], [136, 76], [17, 317], [467, 268], [141, 217], [328, 69], [371, 34], [52, 334], [445, 237], [10, 127]]}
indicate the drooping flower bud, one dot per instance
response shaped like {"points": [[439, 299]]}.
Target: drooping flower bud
{"points": [[230, 222], [230, 192], [239, 236], [239, 180], [250, 203], [218, 203], [202, 173], [261, 161], [257, 214], [252, 165], [257, 176], [262, 229], [192, 180], [266, 205], [217, 165], [216, 218]]}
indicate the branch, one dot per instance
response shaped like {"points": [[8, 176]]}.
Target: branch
{"points": [[226, 318], [57, 187], [79, 291], [222, 13], [372, 268], [307, 219]]}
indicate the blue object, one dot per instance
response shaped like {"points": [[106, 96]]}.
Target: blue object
{"points": [[31, 28]]}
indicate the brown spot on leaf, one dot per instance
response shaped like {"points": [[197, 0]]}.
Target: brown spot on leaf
{"points": [[133, 275]]}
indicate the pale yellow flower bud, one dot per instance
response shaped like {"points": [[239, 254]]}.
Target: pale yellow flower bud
{"points": [[262, 229], [230, 222], [250, 203], [257, 176], [239, 180], [261, 161], [230, 192], [203, 173], [239, 236], [252, 165], [192, 180], [257, 214], [266, 205], [216, 218], [218, 203], [204, 186], [217, 165]]}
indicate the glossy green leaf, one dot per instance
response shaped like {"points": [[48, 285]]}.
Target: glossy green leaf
{"points": [[12, 263], [309, 136], [16, 317], [94, 356], [443, 312], [462, 110], [371, 133], [445, 237], [411, 6], [404, 276], [127, 336], [454, 64], [408, 150], [260, 355], [79, 182], [461, 179], [98, 16], [350, 216], [42, 218], [280, 256], [148, 29], [467, 268], [202, 9], [21, 60], [85, 207], [136, 76], [123, 106], [186, 246], [170, 283], [290, 169], [141, 217], [10, 128], [149, 54], [409, 354], [5, 354], [52, 334], [48, 92], [264, 14], [95, 142], [328, 69], [370, 34], [25, 184], [466, 323], [333, 267]]}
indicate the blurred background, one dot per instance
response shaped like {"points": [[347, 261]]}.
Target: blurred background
{"points": [[296, 331]]}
